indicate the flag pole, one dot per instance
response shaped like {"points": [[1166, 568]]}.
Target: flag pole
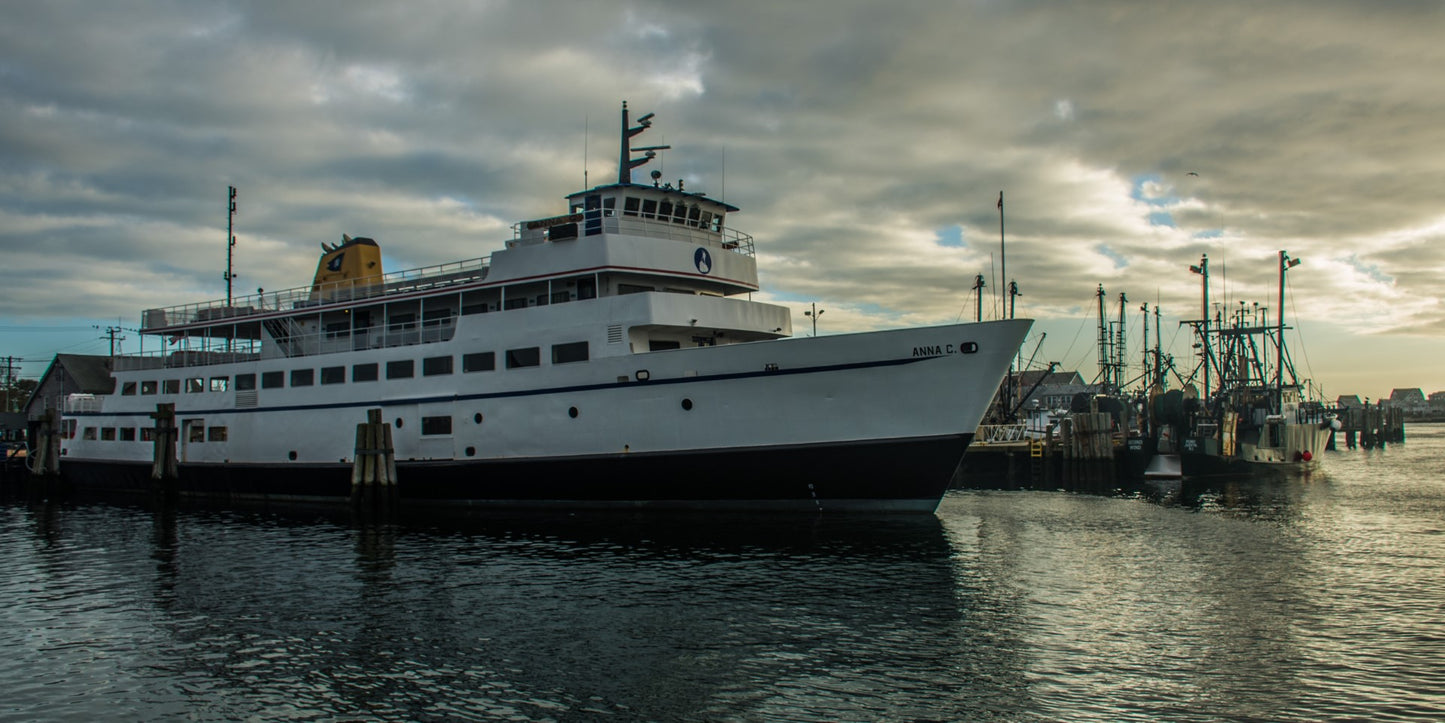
{"points": [[1002, 258]]}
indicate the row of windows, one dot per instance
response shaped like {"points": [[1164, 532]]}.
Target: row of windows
{"points": [[196, 433], [400, 369]]}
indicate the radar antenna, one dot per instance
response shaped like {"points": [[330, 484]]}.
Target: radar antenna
{"points": [[625, 161]]}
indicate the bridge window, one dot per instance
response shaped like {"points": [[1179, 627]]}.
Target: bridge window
{"points": [[630, 206], [649, 208]]}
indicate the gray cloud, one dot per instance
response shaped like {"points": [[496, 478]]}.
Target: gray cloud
{"points": [[852, 134]]}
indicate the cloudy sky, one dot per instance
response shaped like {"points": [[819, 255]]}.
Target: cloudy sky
{"points": [[866, 143]]}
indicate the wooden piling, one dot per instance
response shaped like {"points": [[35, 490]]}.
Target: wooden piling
{"points": [[164, 467], [373, 469], [46, 462]]}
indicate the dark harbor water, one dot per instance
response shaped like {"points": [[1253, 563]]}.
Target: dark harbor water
{"points": [[1294, 599]]}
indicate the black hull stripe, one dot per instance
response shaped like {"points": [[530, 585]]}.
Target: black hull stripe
{"points": [[884, 475]]}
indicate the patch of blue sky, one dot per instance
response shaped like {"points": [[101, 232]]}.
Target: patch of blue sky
{"points": [[1161, 218], [1142, 185], [951, 237], [1211, 233], [1370, 270], [1112, 255]]}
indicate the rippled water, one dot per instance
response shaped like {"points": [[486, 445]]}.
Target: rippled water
{"points": [[1310, 598]]}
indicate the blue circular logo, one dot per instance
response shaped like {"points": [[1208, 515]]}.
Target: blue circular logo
{"points": [[702, 260]]}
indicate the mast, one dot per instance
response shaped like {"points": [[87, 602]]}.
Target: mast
{"points": [[1285, 262], [1103, 342], [625, 161], [230, 242], [1203, 270]]}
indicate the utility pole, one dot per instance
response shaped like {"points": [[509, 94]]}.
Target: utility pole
{"points": [[110, 332], [230, 242], [815, 313], [10, 383]]}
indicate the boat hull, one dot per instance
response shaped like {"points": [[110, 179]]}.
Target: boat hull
{"points": [[905, 475]]}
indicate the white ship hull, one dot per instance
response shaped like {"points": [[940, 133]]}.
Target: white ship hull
{"points": [[861, 416]]}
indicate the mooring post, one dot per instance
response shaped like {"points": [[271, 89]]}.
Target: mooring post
{"points": [[46, 463], [164, 466], [373, 469]]}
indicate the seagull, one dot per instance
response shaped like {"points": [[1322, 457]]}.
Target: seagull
{"points": [[1191, 173]]}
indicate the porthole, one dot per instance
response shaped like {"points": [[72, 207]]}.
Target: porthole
{"points": [[398, 422], [687, 404], [292, 456], [572, 412], [471, 451], [477, 418]]}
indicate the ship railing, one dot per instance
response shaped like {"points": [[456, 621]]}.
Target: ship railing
{"points": [[396, 282], [82, 403], [1001, 433]]}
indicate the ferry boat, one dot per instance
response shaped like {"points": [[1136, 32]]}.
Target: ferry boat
{"points": [[607, 356]]}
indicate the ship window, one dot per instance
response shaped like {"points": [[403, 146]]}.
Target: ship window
{"points": [[273, 380], [195, 384], [516, 303], [717, 222], [245, 382], [692, 216], [529, 357], [541, 300], [148, 387], [679, 214], [127, 389], [586, 288], [333, 375], [664, 210], [107, 434], [364, 372], [303, 377], [632, 289], [566, 353], [216, 434], [663, 345], [172, 386], [649, 208], [198, 430], [89, 433], [401, 369], [127, 434], [436, 365], [436, 425], [482, 361], [630, 206], [705, 221], [147, 434], [220, 384], [561, 297]]}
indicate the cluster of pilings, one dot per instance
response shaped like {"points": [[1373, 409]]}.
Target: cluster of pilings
{"points": [[1370, 426]]}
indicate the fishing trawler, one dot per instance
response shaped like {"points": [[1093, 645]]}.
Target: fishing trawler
{"points": [[607, 356], [1257, 417]]}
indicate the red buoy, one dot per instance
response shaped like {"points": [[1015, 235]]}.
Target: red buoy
{"points": [[1307, 456]]}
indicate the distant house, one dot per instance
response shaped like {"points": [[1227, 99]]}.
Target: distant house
{"points": [[1050, 390], [1437, 402], [1349, 401], [69, 374], [1411, 401]]}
